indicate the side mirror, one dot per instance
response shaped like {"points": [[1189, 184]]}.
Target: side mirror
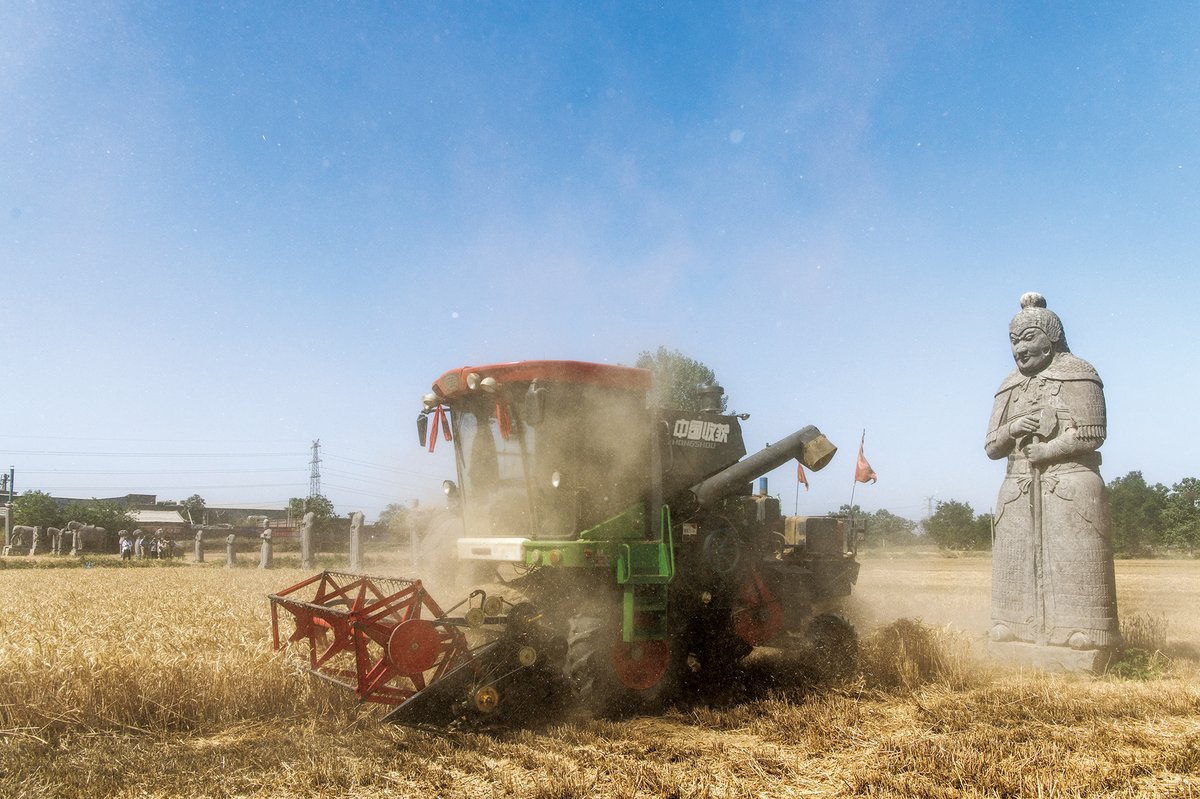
{"points": [[535, 405], [422, 427]]}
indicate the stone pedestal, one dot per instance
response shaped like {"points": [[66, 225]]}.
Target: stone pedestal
{"points": [[1055, 659]]}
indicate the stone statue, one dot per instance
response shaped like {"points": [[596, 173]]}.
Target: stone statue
{"points": [[73, 528], [20, 533], [230, 554], [1052, 564], [265, 553], [306, 532], [200, 546], [356, 524]]}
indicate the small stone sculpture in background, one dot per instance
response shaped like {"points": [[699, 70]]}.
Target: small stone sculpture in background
{"points": [[306, 533], [230, 555], [356, 524], [1054, 601], [265, 553]]}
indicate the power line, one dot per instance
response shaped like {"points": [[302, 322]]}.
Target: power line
{"points": [[159, 488], [365, 493], [366, 479], [74, 453], [370, 465], [269, 470], [156, 440]]}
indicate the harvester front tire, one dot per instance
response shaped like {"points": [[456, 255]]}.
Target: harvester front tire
{"points": [[592, 676]]}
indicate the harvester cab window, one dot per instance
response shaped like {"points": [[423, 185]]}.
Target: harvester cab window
{"points": [[584, 462], [495, 500]]}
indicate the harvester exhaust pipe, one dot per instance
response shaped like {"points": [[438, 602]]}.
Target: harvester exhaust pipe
{"points": [[807, 445]]}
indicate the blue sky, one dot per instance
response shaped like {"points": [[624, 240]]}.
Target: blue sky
{"points": [[228, 230]]}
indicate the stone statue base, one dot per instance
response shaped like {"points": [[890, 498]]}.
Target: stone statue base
{"points": [[1056, 659]]}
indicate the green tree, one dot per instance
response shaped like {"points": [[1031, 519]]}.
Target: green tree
{"points": [[112, 516], [396, 519], [192, 509], [1137, 513], [675, 379], [983, 531], [37, 509], [1181, 515], [887, 529], [953, 526], [319, 505]]}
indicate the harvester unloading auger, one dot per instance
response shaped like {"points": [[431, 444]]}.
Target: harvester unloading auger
{"points": [[648, 565]]}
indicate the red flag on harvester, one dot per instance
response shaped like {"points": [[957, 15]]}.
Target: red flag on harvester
{"points": [[863, 473], [800, 475]]}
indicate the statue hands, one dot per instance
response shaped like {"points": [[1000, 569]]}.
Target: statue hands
{"points": [[1023, 426], [1037, 452]]}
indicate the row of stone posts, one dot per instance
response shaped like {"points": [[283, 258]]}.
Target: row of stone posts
{"points": [[16, 536], [266, 551]]}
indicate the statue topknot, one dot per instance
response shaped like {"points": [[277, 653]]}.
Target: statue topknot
{"points": [[1031, 299]]}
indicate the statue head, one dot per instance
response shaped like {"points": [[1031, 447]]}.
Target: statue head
{"points": [[1036, 334]]}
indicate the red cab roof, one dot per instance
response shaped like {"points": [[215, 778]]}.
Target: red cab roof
{"points": [[454, 383]]}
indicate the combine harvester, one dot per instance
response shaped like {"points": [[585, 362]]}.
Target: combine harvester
{"points": [[647, 565]]}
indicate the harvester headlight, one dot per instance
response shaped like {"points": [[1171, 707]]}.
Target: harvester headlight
{"points": [[473, 380], [488, 384], [449, 488], [556, 479]]}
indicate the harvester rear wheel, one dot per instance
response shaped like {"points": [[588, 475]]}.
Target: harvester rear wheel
{"points": [[592, 670]]}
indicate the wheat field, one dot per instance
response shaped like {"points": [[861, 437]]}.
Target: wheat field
{"points": [[160, 682]]}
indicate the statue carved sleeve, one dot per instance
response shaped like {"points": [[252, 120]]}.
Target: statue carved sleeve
{"points": [[999, 444], [1082, 420]]}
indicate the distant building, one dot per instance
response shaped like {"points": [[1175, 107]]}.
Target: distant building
{"points": [[145, 503], [170, 522]]}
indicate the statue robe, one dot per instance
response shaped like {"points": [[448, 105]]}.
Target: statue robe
{"points": [[1052, 582]]}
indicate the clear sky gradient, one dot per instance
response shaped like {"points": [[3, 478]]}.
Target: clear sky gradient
{"points": [[227, 230]]}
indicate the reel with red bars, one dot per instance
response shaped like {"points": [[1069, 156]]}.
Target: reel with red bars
{"points": [[384, 638]]}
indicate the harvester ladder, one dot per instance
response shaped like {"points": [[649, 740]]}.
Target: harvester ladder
{"points": [[645, 569]]}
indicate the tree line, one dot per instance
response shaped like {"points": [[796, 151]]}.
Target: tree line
{"points": [[1146, 520]]}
